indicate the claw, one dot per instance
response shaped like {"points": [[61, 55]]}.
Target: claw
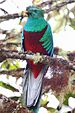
{"points": [[37, 58]]}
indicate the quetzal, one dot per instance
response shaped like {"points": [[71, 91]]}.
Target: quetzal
{"points": [[36, 37]]}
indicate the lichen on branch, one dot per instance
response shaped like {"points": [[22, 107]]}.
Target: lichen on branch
{"points": [[5, 54]]}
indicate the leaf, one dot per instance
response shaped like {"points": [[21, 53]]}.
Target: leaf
{"points": [[14, 65], [36, 1], [72, 23], [51, 110], [44, 101], [66, 97], [5, 65], [8, 86], [10, 64]]}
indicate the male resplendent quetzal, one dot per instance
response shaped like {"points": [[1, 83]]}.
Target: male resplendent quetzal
{"points": [[36, 37]]}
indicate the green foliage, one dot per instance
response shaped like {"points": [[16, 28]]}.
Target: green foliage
{"points": [[10, 64], [51, 110], [44, 102], [66, 97], [8, 86], [72, 23]]}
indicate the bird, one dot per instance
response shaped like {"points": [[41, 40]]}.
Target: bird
{"points": [[36, 37]]}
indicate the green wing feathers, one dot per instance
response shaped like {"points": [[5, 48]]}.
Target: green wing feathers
{"points": [[47, 40]]}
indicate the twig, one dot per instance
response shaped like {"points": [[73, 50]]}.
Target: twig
{"points": [[49, 2], [13, 16], [8, 44], [3, 31], [4, 10], [59, 5], [2, 1], [9, 34], [23, 14], [10, 16], [43, 4], [15, 72]]}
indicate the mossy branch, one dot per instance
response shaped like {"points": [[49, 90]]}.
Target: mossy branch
{"points": [[5, 54]]}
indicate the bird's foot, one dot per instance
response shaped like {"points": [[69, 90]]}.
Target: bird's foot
{"points": [[37, 58]]}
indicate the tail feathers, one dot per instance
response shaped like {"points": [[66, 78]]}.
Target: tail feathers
{"points": [[34, 109], [32, 88]]}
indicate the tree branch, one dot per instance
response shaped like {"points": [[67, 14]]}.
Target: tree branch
{"points": [[4, 54], [59, 5], [9, 16], [9, 34], [2, 1], [3, 31], [8, 44], [15, 72], [13, 16], [4, 10], [23, 13], [8, 105]]}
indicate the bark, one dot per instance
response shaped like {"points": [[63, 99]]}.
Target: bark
{"points": [[7, 45], [4, 54], [51, 8], [15, 72], [10, 106], [9, 16]]}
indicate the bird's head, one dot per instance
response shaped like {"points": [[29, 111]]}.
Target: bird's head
{"points": [[34, 12]]}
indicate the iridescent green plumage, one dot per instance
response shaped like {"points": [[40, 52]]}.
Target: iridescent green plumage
{"points": [[37, 23], [47, 40], [31, 24]]}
